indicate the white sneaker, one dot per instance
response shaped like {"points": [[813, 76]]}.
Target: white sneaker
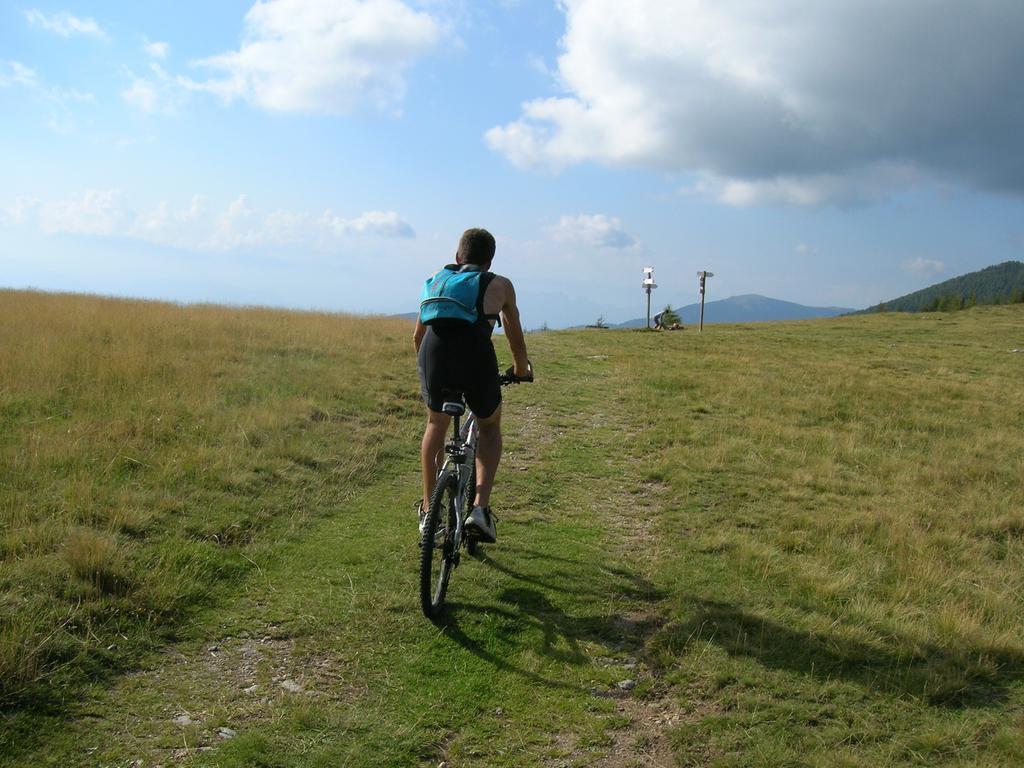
{"points": [[480, 524], [423, 516], [438, 533]]}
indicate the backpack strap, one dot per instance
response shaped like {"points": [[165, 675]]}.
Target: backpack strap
{"points": [[485, 280]]}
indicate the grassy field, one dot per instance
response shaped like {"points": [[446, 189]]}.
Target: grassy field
{"points": [[785, 544]]}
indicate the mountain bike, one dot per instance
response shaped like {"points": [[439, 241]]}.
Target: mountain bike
{"points": [[444, 533]]}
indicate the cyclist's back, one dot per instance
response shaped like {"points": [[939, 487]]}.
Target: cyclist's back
{"points": [[456, 357]]}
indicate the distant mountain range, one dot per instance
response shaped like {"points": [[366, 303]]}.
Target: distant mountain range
{"points": [[749, 308], [998, 284]]}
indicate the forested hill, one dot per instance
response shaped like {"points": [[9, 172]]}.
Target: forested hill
{"points": [[998, 284]]}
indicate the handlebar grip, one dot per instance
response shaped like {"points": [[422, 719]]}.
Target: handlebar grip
{"points": [[510, 378]]}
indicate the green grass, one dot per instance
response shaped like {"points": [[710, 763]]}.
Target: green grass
{"points": [[803, 542]]}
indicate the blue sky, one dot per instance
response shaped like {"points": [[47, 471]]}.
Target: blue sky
{"points": [[327, 154]]}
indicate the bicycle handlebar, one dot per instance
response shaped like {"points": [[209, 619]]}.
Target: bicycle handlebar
{"points": [[508, 377]]}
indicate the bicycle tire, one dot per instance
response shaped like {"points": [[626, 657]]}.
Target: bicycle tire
{"points": [[436, 563]]}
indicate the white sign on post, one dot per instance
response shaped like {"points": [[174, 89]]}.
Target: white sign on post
{"points": [[648, 285]]}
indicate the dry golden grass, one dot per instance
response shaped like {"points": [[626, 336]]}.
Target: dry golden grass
{"points": [[870, 472], [145, 445]]}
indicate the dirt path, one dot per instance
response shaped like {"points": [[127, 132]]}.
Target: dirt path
{"points": [[299, 650]]}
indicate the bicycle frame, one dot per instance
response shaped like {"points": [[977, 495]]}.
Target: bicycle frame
{"points": [[461, 454]]}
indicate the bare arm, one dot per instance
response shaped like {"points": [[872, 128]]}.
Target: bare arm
{"points": [[417, 335], [514, 331]]}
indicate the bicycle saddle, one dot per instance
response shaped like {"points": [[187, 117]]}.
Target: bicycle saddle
{"points": [[453, 409]]}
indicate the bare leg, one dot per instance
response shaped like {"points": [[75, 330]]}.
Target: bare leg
{"points": [[488, 454], [431, 450]]}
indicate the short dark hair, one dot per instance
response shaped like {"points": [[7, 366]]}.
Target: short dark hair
{"points": [[476, 246]]}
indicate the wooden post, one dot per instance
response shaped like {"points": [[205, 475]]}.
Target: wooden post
{"points": [[701, 306], [703, 277]]}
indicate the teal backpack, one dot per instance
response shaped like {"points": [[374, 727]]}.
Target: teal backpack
{"points": [[454, 296]]}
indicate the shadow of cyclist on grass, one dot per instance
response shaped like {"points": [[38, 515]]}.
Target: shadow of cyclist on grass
{"points": [[457, 625], [566, 578], [527, 621], [952, 676], [526, 617]]}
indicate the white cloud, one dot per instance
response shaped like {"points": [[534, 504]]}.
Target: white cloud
{"points": [[18, 74], [592, 230], [163, 221], [323, 56], [235, 227], [23, 212], [385, 223], [924, 267], [155, 93], [196, 227], [142, 94], [58, 100], [787, 102], [64, 24], [855, 187], [156, 50], [97, 212]]}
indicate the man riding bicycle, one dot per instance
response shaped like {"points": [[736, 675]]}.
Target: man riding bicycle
{"points": [[455, 356]]}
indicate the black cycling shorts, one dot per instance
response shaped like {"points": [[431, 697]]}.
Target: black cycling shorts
{"points": [[462, 360]]}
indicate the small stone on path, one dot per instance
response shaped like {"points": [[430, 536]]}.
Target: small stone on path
{"points": [[627, 685], [291, 686], [183, 719], [226, 733]]}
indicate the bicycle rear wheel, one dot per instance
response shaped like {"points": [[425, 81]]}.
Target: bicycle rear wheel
{"points": [[437, 547]]}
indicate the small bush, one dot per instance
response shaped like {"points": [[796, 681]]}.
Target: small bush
{"points": [[95, 559]]}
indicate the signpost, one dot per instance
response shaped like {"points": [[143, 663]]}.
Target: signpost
{"points": [[703, 276], [648, 285]]}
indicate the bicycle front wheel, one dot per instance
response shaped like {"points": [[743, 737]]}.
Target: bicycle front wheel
{"points": [[437, 547]]}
